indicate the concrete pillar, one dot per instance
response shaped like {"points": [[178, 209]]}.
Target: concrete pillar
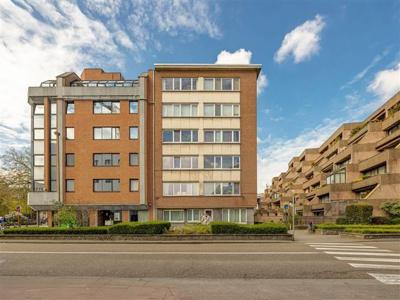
{"points": [[125, 216], [93, 218], [50, 218]]}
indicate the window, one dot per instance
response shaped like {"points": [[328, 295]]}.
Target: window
{"points": [[221, 188], [234, 215], [38, 121], [70, 185], [106, 133], [70, 107], [133, 159], [324, 198], [180, 162], [221, 162], [221, 84], [179, 110], [70, 159], [133, 133], [222, 136], [221, 110], [38, 109], [70, 133], [336, 178], [134, 185], [193, 215], [180, 136], [180, 188], [38, 160], [106, 107], [133, 107], [179, 84], [106, 159], [38, 134], [106, 185], [375, 171], [176, 216]]}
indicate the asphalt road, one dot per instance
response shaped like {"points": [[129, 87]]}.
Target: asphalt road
{"points": [[313, 267]]}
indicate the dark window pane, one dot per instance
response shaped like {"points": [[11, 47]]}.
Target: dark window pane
{"points": [[167, 136], [227, 162]]}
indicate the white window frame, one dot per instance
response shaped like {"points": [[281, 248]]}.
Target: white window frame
{"points": [[178, 80], [168, 110], [134, 180], [221, 79], [169, 211], [229, 211], [190, 215], [221, 184], [115, 133], [178, 186], [221, 159], [193, 158], [69, 133], [221, 135], [180, 136]]}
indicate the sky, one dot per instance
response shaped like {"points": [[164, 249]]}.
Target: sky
{"points": [[324, 62]]}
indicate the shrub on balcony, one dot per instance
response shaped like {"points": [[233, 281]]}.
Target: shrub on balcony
{"points": [[152, 227], [233, 228], [358, 213]]}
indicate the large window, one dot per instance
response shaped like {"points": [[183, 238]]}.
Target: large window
{"points": [[179, 84], [70, 185], [38, 121], [221, 136], [180, 162], [133, 159], [134, 185], [193, 215], [221, 162], [221, 110], [180, 136], [133, 133], [106, 133], [221, 188], [375, 171], [133, 107], [336, 178], [175, 216], [180, 188], [106, 159], [106, 185], [106, 107], [234, 215], [221, 84], [38, 134], [179, 110]]}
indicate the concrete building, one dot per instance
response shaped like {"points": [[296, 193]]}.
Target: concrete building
{"points": [[178, 143], [358, 162]]}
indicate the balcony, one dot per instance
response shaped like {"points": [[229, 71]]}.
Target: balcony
{"points": [[332, 188], [389, 141], [42, 198], [379, 159], [390, 121], [375, 180]]}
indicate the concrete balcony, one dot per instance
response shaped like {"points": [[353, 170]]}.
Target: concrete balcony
{"points": [[390, 121], [375, 180], [388, 141], [316, 179], [379, 159], [42, 199], [332, 188]]}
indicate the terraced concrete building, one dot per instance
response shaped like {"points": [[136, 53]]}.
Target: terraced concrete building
{"points": [[178, 143], [358, 162]]}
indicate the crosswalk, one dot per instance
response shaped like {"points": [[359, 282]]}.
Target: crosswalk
{"points": [[365, 257]]}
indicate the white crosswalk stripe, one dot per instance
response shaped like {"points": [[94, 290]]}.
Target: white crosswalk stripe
{"points": [[377, 259], [386, 278], [369, 257], [373, 266]]}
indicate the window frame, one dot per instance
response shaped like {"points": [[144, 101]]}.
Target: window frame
{"points": [[68, 131], [179, 131], [66, 185], [131, 180], [113, 129], [66, 159], [221, 188], [112, 185], [137, 106], [112, 154], [112, 102], [137, 132], [67, 105]]}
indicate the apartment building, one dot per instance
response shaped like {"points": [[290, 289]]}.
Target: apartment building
{"points": [[178, 144], [358, 162]]}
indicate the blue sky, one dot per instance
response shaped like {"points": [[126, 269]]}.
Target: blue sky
{"points": [[324, 62]]}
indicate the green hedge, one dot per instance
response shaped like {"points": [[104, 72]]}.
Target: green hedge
{"points": [[153, 227], [373, 230], [379, 220], [56, 230], [232, 228], [337, 227], [395, 221], [358, 213]]}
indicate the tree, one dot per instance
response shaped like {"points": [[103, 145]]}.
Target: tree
{"points": [[15, 179], [66, 217]]}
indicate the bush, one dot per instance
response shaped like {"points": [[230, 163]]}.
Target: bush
{"points": [[56, 230], [153, 227], [373, 230], [66, 217], [395, 221], [336, 227], [191, 229], [358, 213], [379, 220], [341, 221], [232, 228], [392, 208]]}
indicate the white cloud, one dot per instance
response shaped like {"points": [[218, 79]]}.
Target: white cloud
{"points": [[242, 57], [41, 39], [302, 42], [274, 154], [386, 83]]}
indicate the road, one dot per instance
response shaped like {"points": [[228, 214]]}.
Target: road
{"points": [[312, 267]]}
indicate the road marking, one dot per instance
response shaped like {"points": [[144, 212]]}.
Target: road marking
{"points": [[159, 253], [373, 266], [361, 253], [386, 278], [351, 249], [395, 260], [356, 247]]}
